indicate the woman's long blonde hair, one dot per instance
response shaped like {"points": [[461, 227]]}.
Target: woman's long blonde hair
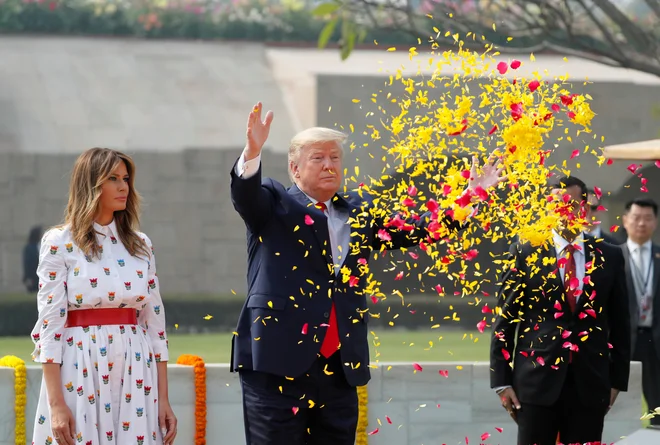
{"points": [[92, 168]]}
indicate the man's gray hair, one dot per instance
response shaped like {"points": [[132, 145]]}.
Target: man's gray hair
{"points": [[313, 136]]}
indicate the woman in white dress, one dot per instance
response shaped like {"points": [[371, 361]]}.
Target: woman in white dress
{"points": [[101, 334]]}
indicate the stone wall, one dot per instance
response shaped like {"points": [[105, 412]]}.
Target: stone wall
{"points": [[187, 211], [424, 407]]}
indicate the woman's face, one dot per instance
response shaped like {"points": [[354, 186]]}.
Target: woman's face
{"points": [[114, 191]]}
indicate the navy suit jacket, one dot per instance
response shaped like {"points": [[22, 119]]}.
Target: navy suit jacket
{"points": [[291, 282]]}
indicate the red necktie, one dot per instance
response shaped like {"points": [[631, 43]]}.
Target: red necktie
{"points": [[569, 272], [331, 341]]}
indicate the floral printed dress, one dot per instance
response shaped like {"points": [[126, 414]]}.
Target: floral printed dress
{"points": [[109, 373]]}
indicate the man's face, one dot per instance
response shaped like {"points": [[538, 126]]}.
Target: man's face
{"points": [[640, 223], [318, 170], [572, 206]]}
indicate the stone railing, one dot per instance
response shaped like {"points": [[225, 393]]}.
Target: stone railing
{"points": [[425, 407]]}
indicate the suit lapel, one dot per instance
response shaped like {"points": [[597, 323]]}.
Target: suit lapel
{"points": [[319, 227], [655, 256], [358, 235], [552, 274], [590, 256], [632, 294]]}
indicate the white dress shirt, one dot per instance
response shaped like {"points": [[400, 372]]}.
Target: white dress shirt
{"points": [[338, 228], [641, 270]]}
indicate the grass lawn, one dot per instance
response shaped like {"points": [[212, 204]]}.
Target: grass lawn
{"points": [[387, 345]]}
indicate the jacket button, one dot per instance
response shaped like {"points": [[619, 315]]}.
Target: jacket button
{"points": [[326, 315]]}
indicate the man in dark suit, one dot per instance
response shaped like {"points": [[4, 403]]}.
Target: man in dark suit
{"points": [[560, 353], [594, 214], [301, 347], [643, 277]]}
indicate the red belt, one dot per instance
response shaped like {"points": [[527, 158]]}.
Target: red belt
{"points": [[100, 317]]}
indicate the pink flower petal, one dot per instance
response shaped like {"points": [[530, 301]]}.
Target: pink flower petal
{"points": [[417, 367], [515, 64], [498, 429], [533, 85], [502, 67], [486, 309], [412, 190], [388, 420], [566, 334], [374, 299], [494, 129], [555, 108], [384, 235], [558, 315], [445, 374], [506, 354], [373, 432], [485, 436], [304, 328], [481, 326], [308, 220], [295, 410], [575, 154]]}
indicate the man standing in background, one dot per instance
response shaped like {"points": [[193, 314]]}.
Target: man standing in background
{"points": [[643, 275]]}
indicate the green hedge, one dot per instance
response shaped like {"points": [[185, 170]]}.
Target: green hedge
{"points": [[238, 20], [17, 317]]}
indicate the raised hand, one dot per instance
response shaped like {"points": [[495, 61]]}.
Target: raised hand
{"points": [[257, 131], [491, 173]]}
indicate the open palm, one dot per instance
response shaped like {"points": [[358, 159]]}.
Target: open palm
{"points": [[489, 176], [257, 129]]}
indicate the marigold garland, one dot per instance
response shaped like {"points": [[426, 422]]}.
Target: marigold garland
{"points": [[20, 384], [200, 394], [363, 420]]}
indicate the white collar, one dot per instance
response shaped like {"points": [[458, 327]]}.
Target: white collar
{"points": [[110, 229], [314, 201], [561, 243], [632, 246]]}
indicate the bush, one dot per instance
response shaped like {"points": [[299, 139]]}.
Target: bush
{"points": [[259, 20]]}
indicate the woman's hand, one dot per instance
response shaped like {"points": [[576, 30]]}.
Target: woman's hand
{"points": [[63, 424], [167, 421]]}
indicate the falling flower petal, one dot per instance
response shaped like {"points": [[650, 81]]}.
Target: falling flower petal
{"points": [[444, 373], [506, 354], [502, 67], [373, 432], [486, 310], [533, 85], [485, 436], [515, 64], [304, 328], [308, 220], [498, 429], [388, 420], [295, 410], [540, 361], [493, 130], [417, 367], [481, 326], [566, 334]]}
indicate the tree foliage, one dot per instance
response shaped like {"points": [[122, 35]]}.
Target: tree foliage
{"points": [[621, 33]]}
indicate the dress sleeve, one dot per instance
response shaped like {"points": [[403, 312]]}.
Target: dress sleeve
{"points": [[51, 300], [152, 316]]}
